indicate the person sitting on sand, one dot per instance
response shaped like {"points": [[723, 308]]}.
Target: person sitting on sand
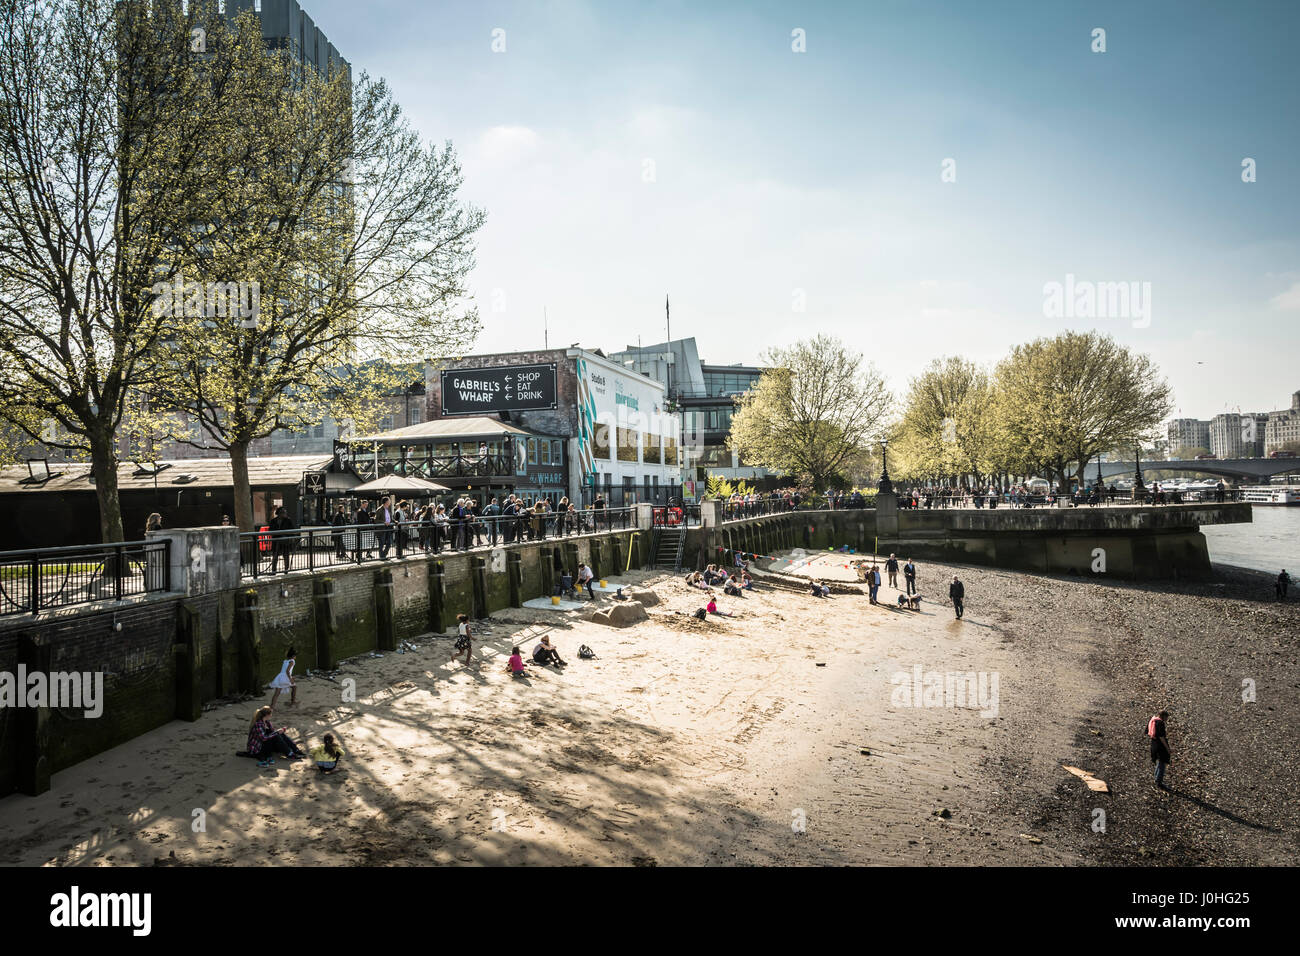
{"points": [[545, 653], [712, 607], [327, 755], [265, 741], [696, 580], [284, 680], [516, 665], [820, 590], [732, 589]]}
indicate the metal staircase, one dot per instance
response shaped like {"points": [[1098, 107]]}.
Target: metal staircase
{"points": [[669, 544]]}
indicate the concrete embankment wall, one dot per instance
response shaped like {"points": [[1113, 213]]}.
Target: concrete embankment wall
{"points": [[164, 656], [1131, 543]]}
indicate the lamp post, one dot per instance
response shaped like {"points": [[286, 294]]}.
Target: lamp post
{"points": [[1139, 489], [885, 486]]}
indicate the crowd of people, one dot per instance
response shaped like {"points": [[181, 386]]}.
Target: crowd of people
{"points": [[396, 527]]}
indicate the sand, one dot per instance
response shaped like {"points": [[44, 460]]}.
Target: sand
{"points": [[772, 737]]}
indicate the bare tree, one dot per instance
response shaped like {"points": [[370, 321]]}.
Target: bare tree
{"points": [[105, 115]]}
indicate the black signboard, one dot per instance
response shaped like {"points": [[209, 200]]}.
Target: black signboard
{"points": [[510, 388]]}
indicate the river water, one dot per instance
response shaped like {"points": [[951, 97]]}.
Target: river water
{"points": [[1269, 543]]}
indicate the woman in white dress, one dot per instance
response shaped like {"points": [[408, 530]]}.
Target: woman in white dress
{"points": [[284, 680]]}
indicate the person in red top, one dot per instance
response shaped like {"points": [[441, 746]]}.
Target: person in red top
{"points": [[516, 666]]}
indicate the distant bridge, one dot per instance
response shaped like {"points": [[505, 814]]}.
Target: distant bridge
{"points": [[1259, 469]]}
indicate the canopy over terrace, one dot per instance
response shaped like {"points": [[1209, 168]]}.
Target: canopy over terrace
{"points": [[399, 485], [476, 454]]}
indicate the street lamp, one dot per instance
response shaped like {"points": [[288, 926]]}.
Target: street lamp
{"points": [[1138, 487], [885, 487]]}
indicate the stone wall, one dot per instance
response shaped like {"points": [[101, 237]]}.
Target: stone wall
{"points": [[163, 656]]}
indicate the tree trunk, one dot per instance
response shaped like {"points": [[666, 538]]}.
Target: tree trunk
{"points": [[243, 492], [103, 465]]}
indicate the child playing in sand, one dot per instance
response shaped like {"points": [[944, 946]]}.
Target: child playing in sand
{"points": [[465, 640], [516, 665], [284, 680], [712, 607], [327, 755]]}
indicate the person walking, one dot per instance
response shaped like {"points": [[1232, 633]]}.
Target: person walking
{"points": [[599, 507], [892, 567], [873, 583], [1160, 755], [1283, 582], [338, 522], [492, 515], [909, 576], [384, 518], [365, 537], [957, 591], [280, 539]]}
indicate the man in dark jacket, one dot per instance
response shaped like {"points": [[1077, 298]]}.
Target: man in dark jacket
{"points": [[339, 521], [281, 540], [892, 567], [1283, 582], [1160, 755], [909, 576], [957, 591]]}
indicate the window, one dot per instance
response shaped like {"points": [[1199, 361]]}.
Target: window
{"points": [[557, 453], [713, 420], [627, 444], [670, 450], [545, 452], [532, 451], [650, 449], [602, 446]]}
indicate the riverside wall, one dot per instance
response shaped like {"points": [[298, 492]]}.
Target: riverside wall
{"points": [[163, 657]]}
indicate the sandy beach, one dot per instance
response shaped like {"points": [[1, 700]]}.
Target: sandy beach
{"points": [[776, 736]]}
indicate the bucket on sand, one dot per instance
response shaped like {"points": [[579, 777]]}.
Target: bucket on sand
{"points": [[604, 583], [555, 599]]}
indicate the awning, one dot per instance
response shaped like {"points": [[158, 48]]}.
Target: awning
{"points": [[399, 485]]}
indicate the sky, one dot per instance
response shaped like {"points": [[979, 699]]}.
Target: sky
{"points": [[912, 181]]}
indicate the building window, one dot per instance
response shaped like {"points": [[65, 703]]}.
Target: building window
{"points": [[557, 453], [545, 452], [627, 444], [602, 445], [650, 449], [532, 451], [670, 450]]}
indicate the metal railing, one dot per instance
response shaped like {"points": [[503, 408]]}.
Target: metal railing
{"points": [[1013, 499], [265, 553], [51, 578]]}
